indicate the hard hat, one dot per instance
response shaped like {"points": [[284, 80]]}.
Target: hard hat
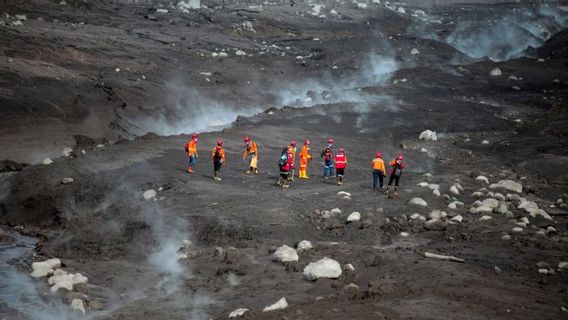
{"points": [[220, 142], [378, 154], [400, 157], [293, 143], [341, 150], [307, 142], [330, 140], [247, 139]]}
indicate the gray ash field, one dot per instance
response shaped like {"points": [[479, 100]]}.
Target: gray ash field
{"points": [[107, 93]]}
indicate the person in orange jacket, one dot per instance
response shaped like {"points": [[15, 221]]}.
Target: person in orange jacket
{"points": [[305, 158], [191, 150], [396, 171], [292, 148], [340, 165], [218, 158], [379, 171], [251, 148]]}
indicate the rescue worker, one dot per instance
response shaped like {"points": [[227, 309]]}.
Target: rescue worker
{"points": [[191, 150], [379, 171], [327, 155], [292, 148], [305, 158], [251, 149], [340, 165], [218, 158], [396, 171], [286, 164]]}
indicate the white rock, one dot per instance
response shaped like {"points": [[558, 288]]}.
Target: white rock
{"points": [[454, 190], [506, 237], [349, 267], [517, 230], [324, 268], [563, 265], [418, 202], [423, 184], [317, 9], [543, 271], [333, 12], [343, 193], [434, 186], [149, 194], [162, 10], [238, 312], [335, 211], [508, 185], [436, 214], [485, 142], [45, 268], [355, 216], [485, 218], [47, 161], [428, 135], [436, 192], [305, 245], [499, 196], [67, 180], [77, 305], [240, 53], [457, 218], [223, 55], [496, 72], [285, 253], [279, 305], [67, 152], [401, 10], [483, 179], [414, 51], [423, 150], [404, 234]]}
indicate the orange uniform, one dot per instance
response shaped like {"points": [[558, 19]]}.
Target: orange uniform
{"points": [[379, 164], [252, 149], [305, 157], [191, 147]]}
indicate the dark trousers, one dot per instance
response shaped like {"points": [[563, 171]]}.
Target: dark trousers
{"points": [[217, 165], [377, 177], [340, 172], [394, 178]]}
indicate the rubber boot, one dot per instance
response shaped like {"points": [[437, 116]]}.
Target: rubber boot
{"points": [[396, 191], [279, 181], [338, 179], [387, 191], [255, 171], [189, 170]]}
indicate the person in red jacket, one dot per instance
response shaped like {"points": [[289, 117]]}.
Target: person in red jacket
{"points": [[340, 165], [286, 165], [396, 171]]}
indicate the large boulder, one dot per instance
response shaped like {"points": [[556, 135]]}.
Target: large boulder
{"points": [[435, 225], [508, 185], [483, 179], [324, 268], [45, 268], [305, 245], [355, 216], [285, 254], [428, 135], [149, 194]]}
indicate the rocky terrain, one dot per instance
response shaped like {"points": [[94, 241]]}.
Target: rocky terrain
{"points": [[101, 220]]}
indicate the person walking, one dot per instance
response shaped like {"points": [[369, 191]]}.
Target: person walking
{"points": [[379, 171], [397, 165], [191, 150], [251, 149], [305, 158], [218, 158], [327, 155], [340, 165], [292, 148], [286, 164]]}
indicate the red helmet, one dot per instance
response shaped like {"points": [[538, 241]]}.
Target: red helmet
{"points": [[219, 142], [293, 143], [195, 135], [378, 154], [247, 139], [307, 142], [330, 140], [399, 157]]}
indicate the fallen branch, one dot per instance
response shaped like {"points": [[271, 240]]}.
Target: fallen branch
{"points": [[442, 257]]}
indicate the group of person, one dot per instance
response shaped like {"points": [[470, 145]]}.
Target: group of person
{"points": [[287, 164]]}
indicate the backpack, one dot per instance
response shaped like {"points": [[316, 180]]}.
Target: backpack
{"points": [[283, 158], [217, 155], [397, 170]]}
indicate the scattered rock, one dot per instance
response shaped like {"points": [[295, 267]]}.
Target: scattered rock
{"points": [[418, 217], [506, 237], [45, 268], [47, 161], [324, 268], [497, 270], [483, 179], [344, 194], [435, 225], [485, 218], [457, 219], [414, 51], [348, 267], [187, 250], [279, 305], [78, 305], [508, 185], [67, 180], [404, 234], [240, 53], [428, 135], [335, 211], [355, 216], [517, 230], [496, 72], [149, 194], [238, 313], [563, 265], [304, 245], [454, 190], [418, 202], [67, 152], [285, 254]]}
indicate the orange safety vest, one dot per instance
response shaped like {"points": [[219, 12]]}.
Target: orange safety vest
{"points": [[252, 149], [191, 147], [221, 153], [379, 164]]}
